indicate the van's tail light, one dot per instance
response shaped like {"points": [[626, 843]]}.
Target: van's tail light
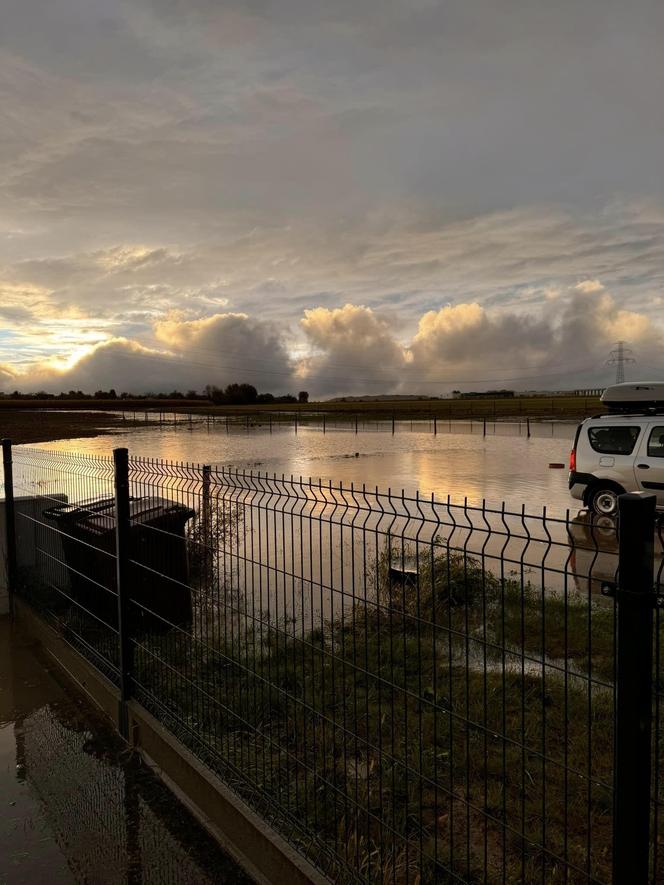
{"points": [[572, 460]]}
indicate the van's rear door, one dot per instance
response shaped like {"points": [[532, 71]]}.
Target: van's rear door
{"points": [[649, 461]]}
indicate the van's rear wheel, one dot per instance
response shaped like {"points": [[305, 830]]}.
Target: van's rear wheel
{"points": [[604, 501]]}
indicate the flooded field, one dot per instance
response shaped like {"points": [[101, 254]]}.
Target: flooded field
{"points": [[504, 465], [76, 807]]}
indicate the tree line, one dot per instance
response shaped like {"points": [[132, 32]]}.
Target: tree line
{"points": [[236, 394], [246, 395]]}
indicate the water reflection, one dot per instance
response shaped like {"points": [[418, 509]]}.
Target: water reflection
{"points": [[594, 553], [464, 465], [82, 808]]}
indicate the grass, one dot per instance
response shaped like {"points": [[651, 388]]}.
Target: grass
{"points": [[447, 731], [560, 407]]}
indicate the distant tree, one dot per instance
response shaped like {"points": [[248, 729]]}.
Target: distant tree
{"points": [[233, 394], [286, 398], [240, 394], [191, 394], [112, 394], [215, 394], [265, 398], [303, 396]]}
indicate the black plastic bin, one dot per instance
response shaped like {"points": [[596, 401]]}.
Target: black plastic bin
{"points": [[158, 571]]}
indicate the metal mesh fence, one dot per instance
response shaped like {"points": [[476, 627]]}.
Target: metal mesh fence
{"points": [[409, 689], [110, 820]]}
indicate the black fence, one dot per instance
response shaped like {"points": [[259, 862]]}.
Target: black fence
{"points": [[408, 689]]}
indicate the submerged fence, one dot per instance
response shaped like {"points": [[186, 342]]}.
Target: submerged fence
{"points": [[478, 422], [408, 689]]}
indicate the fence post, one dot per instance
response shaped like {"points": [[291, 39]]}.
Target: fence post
{"points": [[122, 529], [633, 718], [10, 521], [206, 513]]}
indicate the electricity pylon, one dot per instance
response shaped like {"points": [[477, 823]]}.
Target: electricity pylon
{"points": [[620, 356]]}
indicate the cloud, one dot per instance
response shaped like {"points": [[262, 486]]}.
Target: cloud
{"points": [[467, 346], [215, 350], [465, 341], [357, 349], [229, 346], [353, 347], [588, 286]]}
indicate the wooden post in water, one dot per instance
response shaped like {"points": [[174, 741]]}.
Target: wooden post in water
{"points": [[392, 425], [323, 422], [435, 426], [355, 423], [484, 428], [528, 427]]}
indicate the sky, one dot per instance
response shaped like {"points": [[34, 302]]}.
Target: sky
{"points": [[356, 197]]}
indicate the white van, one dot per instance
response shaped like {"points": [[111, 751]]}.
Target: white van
{"points": [[622, 451]]}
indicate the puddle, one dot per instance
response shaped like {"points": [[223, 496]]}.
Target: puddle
{"points": [[77, 806]]}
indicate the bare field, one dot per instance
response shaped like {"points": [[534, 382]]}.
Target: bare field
{"points": [[32, 426], [533, 407]]}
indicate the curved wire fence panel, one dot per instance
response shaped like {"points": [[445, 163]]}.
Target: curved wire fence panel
{"points": [[65, 571], [409, 689]]}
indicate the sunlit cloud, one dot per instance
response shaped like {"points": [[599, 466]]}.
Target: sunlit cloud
{"points": [[357, 349], [354, 193]]}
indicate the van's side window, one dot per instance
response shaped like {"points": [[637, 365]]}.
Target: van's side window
{"points": [[656, 443], [614, 440]]}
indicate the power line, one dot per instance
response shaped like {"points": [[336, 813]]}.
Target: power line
{"points": [[619, 357]]}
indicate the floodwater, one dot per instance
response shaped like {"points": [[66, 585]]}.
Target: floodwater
{"points": [[505, 465], [76, 807]]}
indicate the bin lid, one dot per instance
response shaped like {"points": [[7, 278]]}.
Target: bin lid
{"points": [[98, 516]]}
